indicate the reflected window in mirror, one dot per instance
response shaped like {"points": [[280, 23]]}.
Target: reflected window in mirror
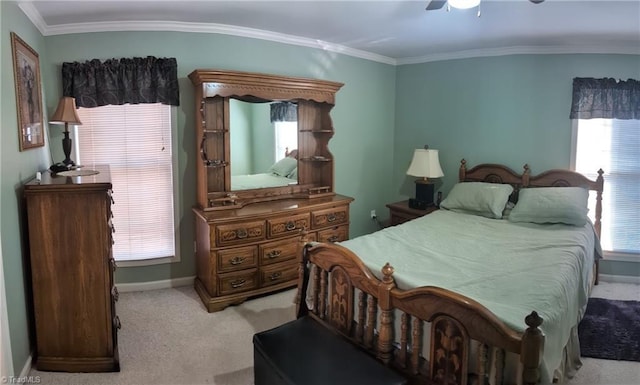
{"points": [[263, 141], [286, 139]]}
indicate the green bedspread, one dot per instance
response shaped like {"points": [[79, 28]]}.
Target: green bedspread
{"points": [[510, 268]]}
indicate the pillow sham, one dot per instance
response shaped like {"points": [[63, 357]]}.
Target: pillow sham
{"points": [[284, 166], [566, 205], [293, 174], [478, 198]]}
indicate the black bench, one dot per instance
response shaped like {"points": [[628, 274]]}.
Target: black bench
{"points": [[304, 352]]}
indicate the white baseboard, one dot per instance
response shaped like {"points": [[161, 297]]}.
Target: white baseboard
{"points": [[620, 278], [27, 367], [155, 285]]}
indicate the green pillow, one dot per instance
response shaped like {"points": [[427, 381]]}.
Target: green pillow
{"points": [[293, 174], [284, 166], [552, 205], [478, 198]]}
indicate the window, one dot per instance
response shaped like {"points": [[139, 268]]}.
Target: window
{"points": [[614, 146], [286, 138], [135, 140]]}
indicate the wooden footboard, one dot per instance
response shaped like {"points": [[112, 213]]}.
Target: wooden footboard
{"points": [[338, 290]]}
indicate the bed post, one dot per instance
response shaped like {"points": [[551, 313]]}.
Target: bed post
{"points": [[303, 276], [532, 347], [599, 187], [525, 175], [598, 224], [385, 338], [462, 173]]}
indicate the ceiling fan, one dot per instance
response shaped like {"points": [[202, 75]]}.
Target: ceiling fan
{"points": [[461, 4]]}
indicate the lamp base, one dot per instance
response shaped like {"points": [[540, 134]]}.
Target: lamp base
{"points": [[424, 192], [66, 147]]}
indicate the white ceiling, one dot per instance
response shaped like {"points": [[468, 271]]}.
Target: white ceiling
{"points": [[394, 32]]}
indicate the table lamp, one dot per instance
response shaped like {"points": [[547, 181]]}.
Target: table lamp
{"points": [[425, 164], [66, 114]]}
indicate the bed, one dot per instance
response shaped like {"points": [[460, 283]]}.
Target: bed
{"points": [[282, 173], [459, 298]]}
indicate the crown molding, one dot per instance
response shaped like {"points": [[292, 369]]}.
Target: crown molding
{"points": [[33, 15], [172, 26], [524, 50]]}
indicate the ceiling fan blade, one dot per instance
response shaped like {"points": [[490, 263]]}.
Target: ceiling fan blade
{"points": [[436, 4]]}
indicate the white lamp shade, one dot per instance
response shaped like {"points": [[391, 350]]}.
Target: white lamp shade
{"points": [[463, 4], [425, 164]]}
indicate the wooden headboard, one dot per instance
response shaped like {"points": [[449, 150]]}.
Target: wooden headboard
{"points": [[496, 173]]}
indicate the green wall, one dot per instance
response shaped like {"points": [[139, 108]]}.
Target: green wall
{"points": [[17, 167], [509, 109], [363, 116]]}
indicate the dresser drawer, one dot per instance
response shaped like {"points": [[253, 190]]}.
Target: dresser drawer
{"points": [[238, 233], [330, 217], [237, 258], [279, 251], [289, 225], [334, 234], [284, 272], [238, 282]]}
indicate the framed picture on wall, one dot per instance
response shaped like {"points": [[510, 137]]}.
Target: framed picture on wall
{"points": [[26, 72]]}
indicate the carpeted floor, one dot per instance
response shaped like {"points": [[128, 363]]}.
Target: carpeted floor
{"points": [[167, 337]]}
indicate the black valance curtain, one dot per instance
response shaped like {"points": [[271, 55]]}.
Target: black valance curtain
{"points": [[121, 81], [605, 99], [284, 112]]}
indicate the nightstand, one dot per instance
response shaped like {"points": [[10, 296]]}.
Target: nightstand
{"points": [[401, 212]]}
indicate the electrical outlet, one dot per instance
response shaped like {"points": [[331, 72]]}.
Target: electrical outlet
{"points": [[373, 214]]}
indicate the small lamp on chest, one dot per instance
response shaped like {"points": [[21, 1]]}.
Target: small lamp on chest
{"points": [[66, 114], [425, 164]]}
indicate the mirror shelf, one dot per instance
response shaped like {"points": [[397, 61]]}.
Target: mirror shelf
{"points": [[214, 89]]}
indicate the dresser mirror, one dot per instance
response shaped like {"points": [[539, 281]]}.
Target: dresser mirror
{"points": [[259, 146], [231, 146]]}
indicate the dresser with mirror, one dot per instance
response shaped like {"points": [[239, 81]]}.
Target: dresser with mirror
{"points": [[254, 197]]}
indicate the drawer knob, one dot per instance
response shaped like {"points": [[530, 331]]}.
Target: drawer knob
{"points": [[116, 322], [242, 233], [274, 254], [333, 238], [237, 260], [331, 217], [238, 283], [275, 275], [290, 226]]}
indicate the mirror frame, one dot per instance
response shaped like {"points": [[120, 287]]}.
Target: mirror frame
{"points": [[315, 98]]}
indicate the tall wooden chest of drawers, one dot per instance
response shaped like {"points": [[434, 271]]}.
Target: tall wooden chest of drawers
{"points": [[70, 238], [253, 250]]}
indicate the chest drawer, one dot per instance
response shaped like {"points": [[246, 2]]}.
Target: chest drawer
{"points": [[329, 217], [238, 233], [238, 282], [280, 273], [334, 234], [290, 225], [237, 258], [274, 252]]}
